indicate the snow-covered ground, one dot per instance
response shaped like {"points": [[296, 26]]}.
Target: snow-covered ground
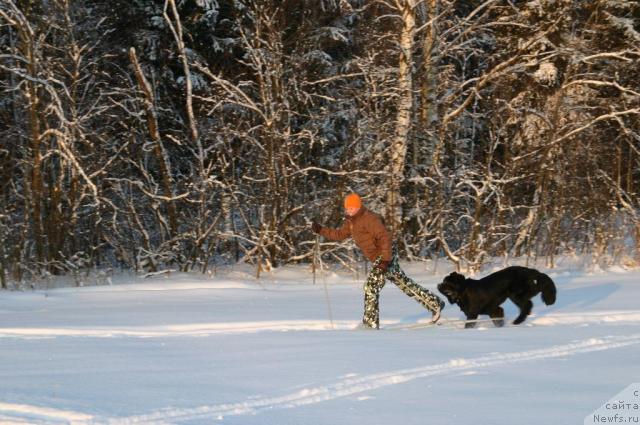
{"points": [[190, 349]]}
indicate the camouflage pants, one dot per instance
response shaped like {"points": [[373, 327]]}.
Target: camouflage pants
{"points": [[375, 282]]}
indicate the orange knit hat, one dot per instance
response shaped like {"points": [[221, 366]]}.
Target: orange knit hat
{"points": [[352, 201]]}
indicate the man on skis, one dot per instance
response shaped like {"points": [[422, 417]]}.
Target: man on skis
{"points": [[369, 233]]}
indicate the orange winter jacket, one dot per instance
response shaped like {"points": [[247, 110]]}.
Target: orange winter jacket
{"points": [[368, 232]]}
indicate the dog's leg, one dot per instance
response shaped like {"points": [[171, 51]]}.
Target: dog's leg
{"points": [[497, 314], [525, 309], [473, 317]]}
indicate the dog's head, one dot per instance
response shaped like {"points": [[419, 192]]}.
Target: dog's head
{"points": [[452, 287]]}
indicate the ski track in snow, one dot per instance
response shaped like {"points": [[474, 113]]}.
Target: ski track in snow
{"points": [[360, 384], [352, 385], [186, 330], [233, 328], [23, 413], [600, 317], [349, 386]]}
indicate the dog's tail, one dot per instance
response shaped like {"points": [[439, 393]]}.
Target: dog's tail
{"points": [[547, 287]]}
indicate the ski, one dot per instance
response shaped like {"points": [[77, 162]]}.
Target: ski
{"points": [[407, 326], [452, 323]]}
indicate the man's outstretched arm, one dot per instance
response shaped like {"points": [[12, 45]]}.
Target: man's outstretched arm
{"points": [[339, 234]]}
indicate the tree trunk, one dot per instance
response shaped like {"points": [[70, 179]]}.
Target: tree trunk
{"points": [[637, 243], [428, 80], [546, 163], [3, 267], [403, 119], [154, 132], [176, 28]]}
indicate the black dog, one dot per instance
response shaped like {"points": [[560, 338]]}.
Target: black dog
{"points": [[484, 296]]}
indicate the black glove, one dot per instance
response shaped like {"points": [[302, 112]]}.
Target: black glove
{"points": [[316, 227], [383, 266]]}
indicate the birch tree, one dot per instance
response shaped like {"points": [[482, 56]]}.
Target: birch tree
{"points": [[398, 150]]}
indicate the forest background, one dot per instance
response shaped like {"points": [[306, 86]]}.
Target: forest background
{"points": [[156, 135]]}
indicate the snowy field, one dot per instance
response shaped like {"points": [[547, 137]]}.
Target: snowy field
{"points": [[190, 349]]}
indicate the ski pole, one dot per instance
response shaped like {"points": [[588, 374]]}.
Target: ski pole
{"points": [[324, 282], [314, 265]]}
